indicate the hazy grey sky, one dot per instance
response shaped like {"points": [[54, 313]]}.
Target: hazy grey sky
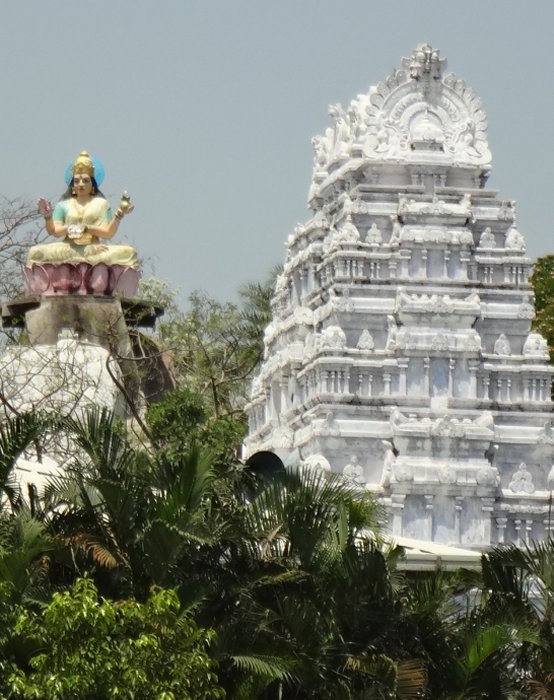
{"points": [[205, 110]]}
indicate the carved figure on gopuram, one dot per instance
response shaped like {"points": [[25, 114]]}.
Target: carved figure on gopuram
{"points": [[81, 261]]}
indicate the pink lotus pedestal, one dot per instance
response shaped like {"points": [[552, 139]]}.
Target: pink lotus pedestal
{"points": [[83, 278]]}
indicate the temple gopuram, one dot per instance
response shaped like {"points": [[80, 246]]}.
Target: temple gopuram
{"points": [[400, 351]]}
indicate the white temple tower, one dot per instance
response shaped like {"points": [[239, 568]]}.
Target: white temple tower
{"points": [[401, 350]]}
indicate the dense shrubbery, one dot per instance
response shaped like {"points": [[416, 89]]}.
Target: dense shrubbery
{"points": [[79, 646], [200, 577]]}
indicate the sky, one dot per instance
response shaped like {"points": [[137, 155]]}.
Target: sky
{"points": [[204, 111]]}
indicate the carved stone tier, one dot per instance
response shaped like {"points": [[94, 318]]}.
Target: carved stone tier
{"points": [[82, 278]]}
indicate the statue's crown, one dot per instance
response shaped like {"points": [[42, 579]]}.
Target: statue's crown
{"points": [[83, 164]]}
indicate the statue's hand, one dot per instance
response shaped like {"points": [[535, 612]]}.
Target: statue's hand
{"points": [[125, 206], [123, 211], [44, 207]]}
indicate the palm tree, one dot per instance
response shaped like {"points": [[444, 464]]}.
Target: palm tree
{"points": [[256, 313], [26, 548], [518, 592], [127, 512], [17, 434], [306, 599]]}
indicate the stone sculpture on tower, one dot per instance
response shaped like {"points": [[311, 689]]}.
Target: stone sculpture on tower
{"points": [[401, 338]]}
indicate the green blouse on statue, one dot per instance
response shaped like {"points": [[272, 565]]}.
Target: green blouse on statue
{"points": [[85, 248]]}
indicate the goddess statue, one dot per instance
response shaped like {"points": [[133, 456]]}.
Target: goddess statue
{"points": [[84, 221], [81, 218]]}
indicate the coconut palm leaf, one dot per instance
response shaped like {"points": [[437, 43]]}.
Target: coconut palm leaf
{"points": [[385, 678], [103, 444], [305, 513], [17, 433], [260, 671]]}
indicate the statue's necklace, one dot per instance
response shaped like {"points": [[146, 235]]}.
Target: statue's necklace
{"points": [[80, 209]]}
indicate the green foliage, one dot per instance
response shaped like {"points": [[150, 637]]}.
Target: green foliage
{"points": [[182, 419], [86, 648], [25, 549], [256, 313], [214, 346], [17, 433], [181, 410], [211, 354], [306, 582], [273, 569], [158, 293], [542, 280], [290, 572], [128, 513]]}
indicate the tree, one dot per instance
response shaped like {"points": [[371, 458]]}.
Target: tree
{"points": [[182, 419], [86, 648], [215, 346], [18, 232], [303, 597], [126, 511], [517, 591], [542, 280], [289, 570], [211, 354], [256, 312]]}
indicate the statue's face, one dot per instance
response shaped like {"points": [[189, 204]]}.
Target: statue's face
{"points": [[82, 184]]}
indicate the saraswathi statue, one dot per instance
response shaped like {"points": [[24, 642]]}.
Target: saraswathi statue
{"points": [[82, 262]]}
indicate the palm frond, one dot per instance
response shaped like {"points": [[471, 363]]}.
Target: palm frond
{"points": [[100, 437], [411, 679], [484, 641], [23, 551], [261, 672], [268, 667], [17, 433], [94, 548]]}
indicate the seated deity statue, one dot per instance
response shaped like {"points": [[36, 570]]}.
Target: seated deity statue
{"points": [[522, 480], [354, 472], [535, 345], [83, 220], [487, 239], [374, 236], [502, 345], [365, 341], [514, 240]]}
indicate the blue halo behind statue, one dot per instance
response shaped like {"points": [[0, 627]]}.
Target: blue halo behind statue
{"points": [[99, 172]]}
